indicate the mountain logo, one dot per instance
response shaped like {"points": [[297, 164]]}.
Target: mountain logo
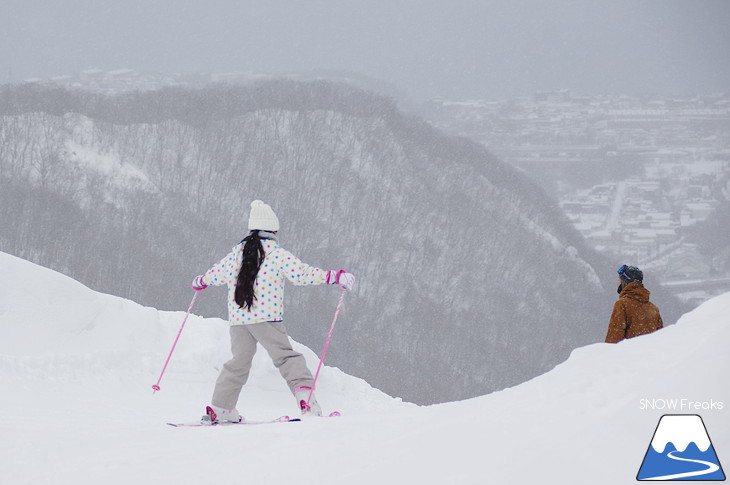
{"points": [[681, 450]]}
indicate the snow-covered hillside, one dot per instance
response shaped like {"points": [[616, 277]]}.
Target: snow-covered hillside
{"points": [[76, 369], [463, 263]]}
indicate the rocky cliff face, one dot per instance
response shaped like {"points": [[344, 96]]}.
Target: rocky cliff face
{"points": [[469, 279]]}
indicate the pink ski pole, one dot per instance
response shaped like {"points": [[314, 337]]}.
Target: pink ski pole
{"points": [[156, 387], [326, 344]]}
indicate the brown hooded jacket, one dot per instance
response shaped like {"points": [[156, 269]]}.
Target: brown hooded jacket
{"points": [[633, 314]]}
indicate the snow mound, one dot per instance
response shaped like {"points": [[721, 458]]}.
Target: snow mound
{"points": [[76, 369], [53, 328]]}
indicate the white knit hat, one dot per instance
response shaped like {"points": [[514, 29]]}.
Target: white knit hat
{"points": [[262, 217]]}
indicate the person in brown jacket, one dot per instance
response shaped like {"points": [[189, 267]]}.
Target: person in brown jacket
{"points": [[633, 313]]}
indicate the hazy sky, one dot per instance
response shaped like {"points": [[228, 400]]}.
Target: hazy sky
{"points": [[449, 48]]}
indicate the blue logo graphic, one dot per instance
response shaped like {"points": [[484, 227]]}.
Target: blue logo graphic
{"points": [[681, 450]]}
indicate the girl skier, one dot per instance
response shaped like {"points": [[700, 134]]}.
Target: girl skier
{"points": [[255, 271]]}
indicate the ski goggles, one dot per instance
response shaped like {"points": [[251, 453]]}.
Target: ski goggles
{"points": [[622, 269]]}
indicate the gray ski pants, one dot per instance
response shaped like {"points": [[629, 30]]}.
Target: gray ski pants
{"points": [[273, 338]]}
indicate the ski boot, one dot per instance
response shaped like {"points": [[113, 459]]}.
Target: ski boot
{"points": [[215, 415], [302, 394]]}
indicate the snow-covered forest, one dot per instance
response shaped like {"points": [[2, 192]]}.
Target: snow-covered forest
{"points": [[470, 278]]}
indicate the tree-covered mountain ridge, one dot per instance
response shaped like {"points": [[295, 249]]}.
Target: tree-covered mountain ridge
{"points": [[469, 277]]}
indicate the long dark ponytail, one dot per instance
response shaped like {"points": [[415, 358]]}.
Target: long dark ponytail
{"points": [[253, 256]]}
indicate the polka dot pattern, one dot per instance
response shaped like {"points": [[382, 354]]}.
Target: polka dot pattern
{"points": [[279, 265]]}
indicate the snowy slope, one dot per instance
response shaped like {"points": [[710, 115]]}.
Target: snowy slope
{"points": [[76, 369]]}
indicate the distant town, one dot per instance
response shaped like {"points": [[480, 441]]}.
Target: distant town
{"points": [[632, 173]]}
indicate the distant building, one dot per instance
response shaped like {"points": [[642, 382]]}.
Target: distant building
{"points": [[687, 265], [694, 212]]}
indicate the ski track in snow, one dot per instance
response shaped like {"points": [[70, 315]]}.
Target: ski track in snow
{"points": [[76, 370]]}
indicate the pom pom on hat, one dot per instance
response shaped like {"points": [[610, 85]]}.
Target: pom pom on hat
{"points": [[262, 217]]}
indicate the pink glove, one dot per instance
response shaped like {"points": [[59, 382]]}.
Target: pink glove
{"points": [[198, 284], [342, 278]]}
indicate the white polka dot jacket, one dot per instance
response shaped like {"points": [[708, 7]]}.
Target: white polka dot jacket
{"points": [[278, 266]]}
